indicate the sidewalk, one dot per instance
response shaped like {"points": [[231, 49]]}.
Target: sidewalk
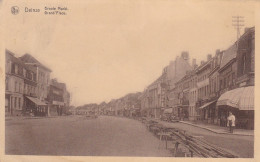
{"points": [[7, 118], [213, 128], [220, 130]]}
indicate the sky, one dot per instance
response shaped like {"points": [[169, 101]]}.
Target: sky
{"points": [[104, 49]]}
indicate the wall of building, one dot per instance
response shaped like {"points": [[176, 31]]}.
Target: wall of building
{"points": [[43, 79], [193, 112], [245, 59]]}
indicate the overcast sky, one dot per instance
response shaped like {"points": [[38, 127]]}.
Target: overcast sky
{"points": [[105, 49]]}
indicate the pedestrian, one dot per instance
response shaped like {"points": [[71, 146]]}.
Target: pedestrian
{"points": [[231, 122]]}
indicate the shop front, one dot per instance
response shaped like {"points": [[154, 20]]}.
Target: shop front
{"points": [[167, 114], [240, 102], [56, 108], [182, 112], [136, 112], [208, 112], [35, 106], [156, 113]]}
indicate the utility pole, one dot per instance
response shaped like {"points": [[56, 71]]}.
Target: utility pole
{"points": [[238, 23]]}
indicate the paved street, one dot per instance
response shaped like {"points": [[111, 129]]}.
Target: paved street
{"points": [[104, 136]]}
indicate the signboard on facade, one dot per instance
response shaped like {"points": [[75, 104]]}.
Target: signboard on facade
{"points": [[58, 103], [203, 83]]}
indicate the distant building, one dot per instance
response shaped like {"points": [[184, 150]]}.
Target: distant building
{"points": [[182, 91], [193, 96], [156, 97]]}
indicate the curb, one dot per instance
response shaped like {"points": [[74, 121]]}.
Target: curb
{"points": [[27, 118], [238, 134]]}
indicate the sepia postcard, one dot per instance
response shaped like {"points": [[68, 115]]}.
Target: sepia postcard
{"points": [[129, 80]]}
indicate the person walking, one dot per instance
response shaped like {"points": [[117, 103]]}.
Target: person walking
{"points": [[231, 122]]}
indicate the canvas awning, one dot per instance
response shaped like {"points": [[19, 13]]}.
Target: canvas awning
{"points": [[36, 101], [207, 104], [241, 98]]}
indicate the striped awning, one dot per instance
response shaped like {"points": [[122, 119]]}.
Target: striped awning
{"points": [[241, 98], [36, 101], [206, 104]]}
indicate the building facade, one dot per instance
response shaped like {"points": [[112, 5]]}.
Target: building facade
{"points": [[157, 96], [203, 87], [55, 98], [214, 88], [14, 84], [246, 59], [42, 76]]}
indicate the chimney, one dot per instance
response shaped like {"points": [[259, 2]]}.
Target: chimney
{"points": [[246, 29], [217, 52], [177, 58], [185, 55], [193, 63], [209, 57], [55, 80]]}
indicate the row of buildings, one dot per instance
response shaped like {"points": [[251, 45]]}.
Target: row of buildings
{"points": [[203, 92], [29, 90], [208, 91], [128, 105]]}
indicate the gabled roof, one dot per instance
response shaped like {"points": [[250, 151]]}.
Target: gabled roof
{"points": [[18, 61], [228, 55], [58, 84], [13, 58], [231, 53], [27, 58]]}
